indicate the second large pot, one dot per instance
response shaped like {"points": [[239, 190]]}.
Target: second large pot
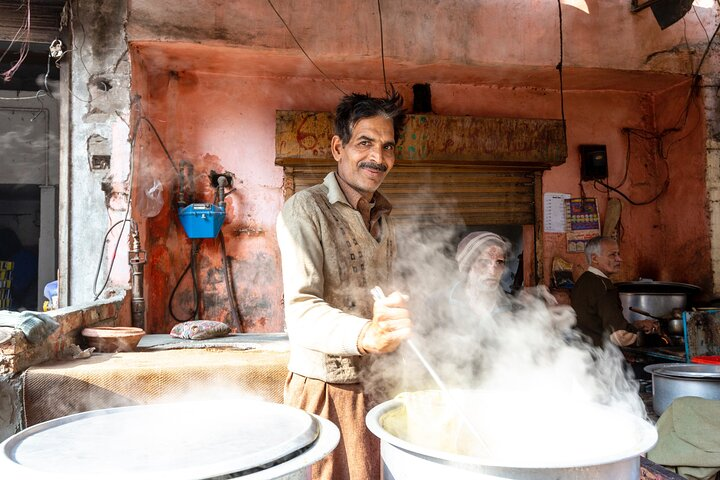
{"points": [[539, 440], [675, 380], [656, 304]]}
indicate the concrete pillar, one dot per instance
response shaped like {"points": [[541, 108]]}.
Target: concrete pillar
{"points": [[47, 258], [100, 99]]}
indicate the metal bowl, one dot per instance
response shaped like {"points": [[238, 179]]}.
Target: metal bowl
{"points": [[675, 380]]}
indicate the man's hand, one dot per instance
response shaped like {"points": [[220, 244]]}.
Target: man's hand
{"points": [[623, 338], [390, 325], [647, 326]]}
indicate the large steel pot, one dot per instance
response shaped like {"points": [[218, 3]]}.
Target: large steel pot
{"points": [[528, 427], [656, 304], [657, 298], [675, 380], [183, 441]]}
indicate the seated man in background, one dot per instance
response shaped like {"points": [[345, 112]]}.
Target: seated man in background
{"points": [[596, 300]]}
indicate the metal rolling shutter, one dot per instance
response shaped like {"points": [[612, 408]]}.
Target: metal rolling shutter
{"points": [[446, 195]]}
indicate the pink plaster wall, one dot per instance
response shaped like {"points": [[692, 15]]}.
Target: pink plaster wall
{"points": [[343, 36], [684, 210], [227, 123]]}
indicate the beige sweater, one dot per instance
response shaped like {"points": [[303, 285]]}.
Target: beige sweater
{"points": [[329, 264]]}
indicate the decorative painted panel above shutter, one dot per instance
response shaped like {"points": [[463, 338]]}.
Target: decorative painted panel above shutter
{"points": [[448, 170]]}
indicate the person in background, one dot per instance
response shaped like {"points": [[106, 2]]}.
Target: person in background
{"points": [[24, 272], [481, 260], [336, 243], [596, 300]]}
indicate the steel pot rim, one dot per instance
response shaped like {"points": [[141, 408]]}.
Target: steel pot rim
{"points": [[683, 370], [647, 440]]}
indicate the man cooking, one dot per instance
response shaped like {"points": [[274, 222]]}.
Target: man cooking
{"points": [[596, 300], [337, 242]]}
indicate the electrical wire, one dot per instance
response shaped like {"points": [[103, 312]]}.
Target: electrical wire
{"points": [[133, 137], [102, 253], [39, 93], [662, 148], [24, 48], [162, 144], [382, 49], [234, 311], [45, 79], [560, 71], [192, 266], [707, 37], [302, 49]]}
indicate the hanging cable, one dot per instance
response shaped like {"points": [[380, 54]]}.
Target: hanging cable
{"points": [[234, 311], [102, 252], [132, 137], [302, 49], [192, 266], [662, 147], [560, 71], [162, 144], [382, 49]]}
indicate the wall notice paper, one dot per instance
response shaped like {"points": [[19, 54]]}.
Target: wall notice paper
{"points": [[554, 212], [583, 222]]}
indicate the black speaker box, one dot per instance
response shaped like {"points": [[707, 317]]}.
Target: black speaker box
{"points": [[593, 162]]}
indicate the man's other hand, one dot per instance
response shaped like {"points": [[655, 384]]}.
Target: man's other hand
{"points": [[647, 326], [390, 325], [623, 338]]}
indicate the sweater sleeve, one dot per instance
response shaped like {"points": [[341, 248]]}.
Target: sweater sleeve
{"points": [[311, 321], [611, 312]]}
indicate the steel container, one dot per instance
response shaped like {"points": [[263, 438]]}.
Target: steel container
{"points": [[656, 304], [619, 459], [675, 380], [209, 440]]}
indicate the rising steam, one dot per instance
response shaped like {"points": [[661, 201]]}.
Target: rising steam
{"points": [[529, 350]]}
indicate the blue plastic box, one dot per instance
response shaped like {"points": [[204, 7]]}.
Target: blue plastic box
{"points": [[201, 220]]}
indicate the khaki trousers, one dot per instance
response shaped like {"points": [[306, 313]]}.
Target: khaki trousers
{"points": [[357, 456]]}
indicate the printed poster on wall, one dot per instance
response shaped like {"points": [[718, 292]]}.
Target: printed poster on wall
{"points": [[554, 212], [583, 222]]}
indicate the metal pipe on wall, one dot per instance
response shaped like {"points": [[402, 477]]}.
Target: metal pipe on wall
{"points": [[137, 259]]}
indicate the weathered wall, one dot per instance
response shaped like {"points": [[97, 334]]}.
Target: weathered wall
{"points": [[344, 35], [93, 176], [17, 354], [210, 76], [684, 228], [226, 122]]}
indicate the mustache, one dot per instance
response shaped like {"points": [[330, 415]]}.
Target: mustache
{"points": [[373, 166]]}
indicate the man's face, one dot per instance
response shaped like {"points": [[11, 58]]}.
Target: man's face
{"points": [[486, 271], [608, 261], [368, 156]]}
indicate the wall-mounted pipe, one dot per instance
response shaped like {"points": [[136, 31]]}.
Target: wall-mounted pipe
{"points": [[137, 259]]}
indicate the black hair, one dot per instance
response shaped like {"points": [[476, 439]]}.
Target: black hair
{"points": [[356, 106]]}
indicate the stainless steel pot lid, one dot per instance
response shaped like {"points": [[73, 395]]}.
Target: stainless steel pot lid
{"points": [[685, 370], [193, 440], [651, 286]]}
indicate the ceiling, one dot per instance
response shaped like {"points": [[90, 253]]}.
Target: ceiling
{"points": [[45, 18], [161, 57]]}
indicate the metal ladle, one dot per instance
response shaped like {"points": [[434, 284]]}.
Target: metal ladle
{"points": [[663, 336], [378, 294]]}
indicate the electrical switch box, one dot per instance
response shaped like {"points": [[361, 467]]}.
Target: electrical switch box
{"points": [[593, 162]]}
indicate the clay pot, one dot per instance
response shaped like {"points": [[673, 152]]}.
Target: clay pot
{"points": [[113, 339]]}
